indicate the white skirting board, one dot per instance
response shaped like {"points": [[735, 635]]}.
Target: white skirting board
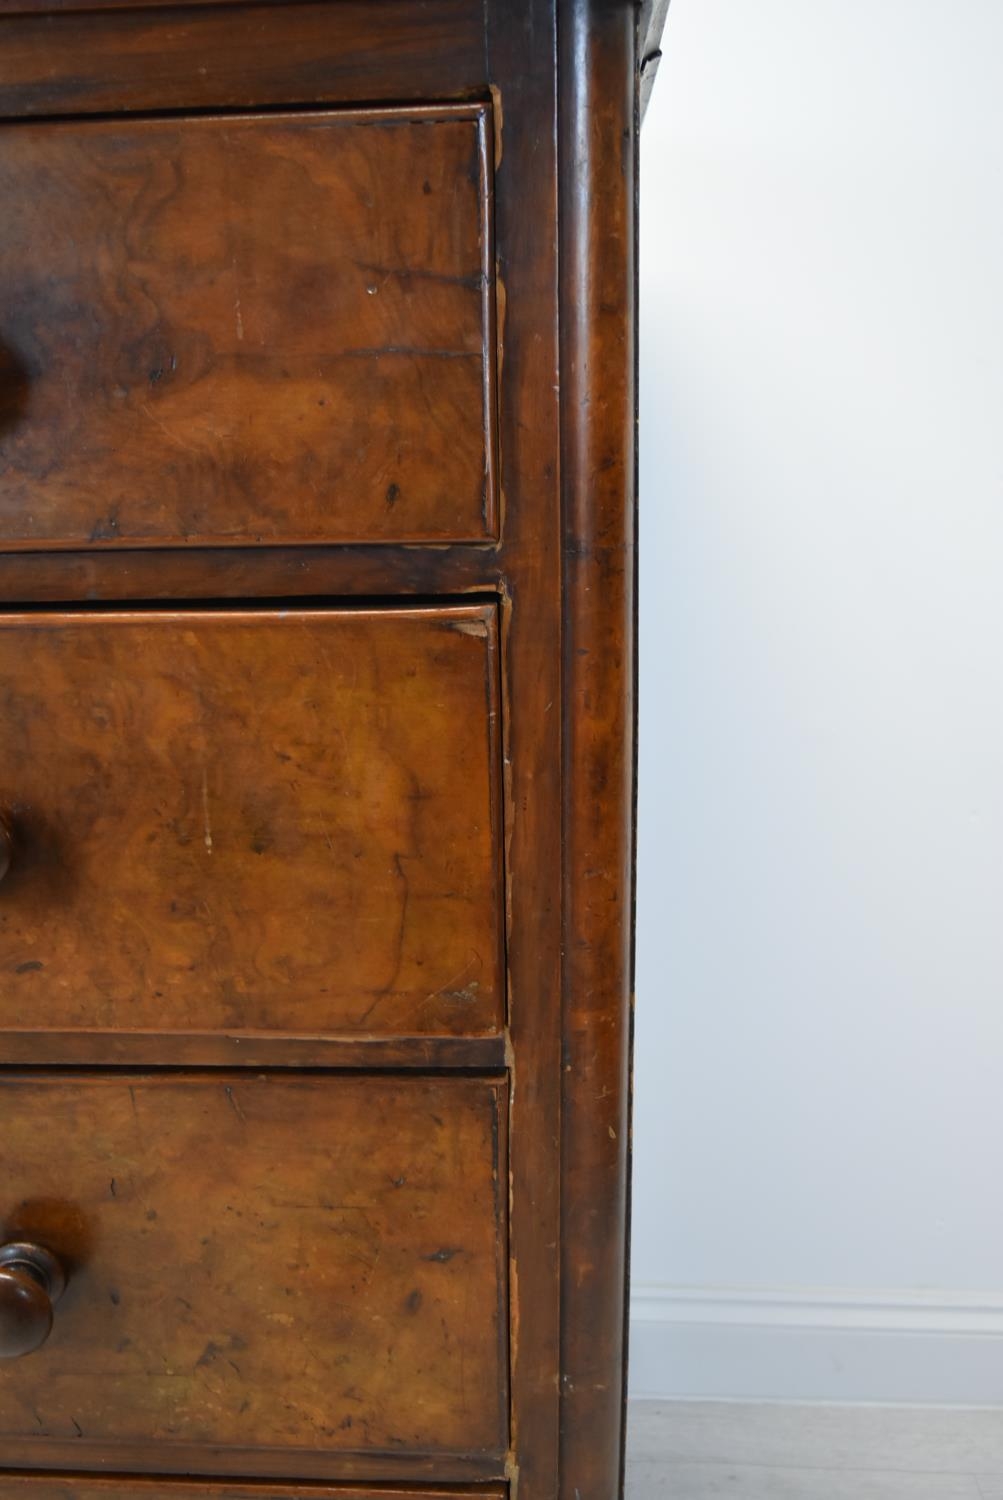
{"points": [[714, 1343]]}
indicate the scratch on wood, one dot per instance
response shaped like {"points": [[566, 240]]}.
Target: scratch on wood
{"points": [[411, 351], [171, 436], [326, 835], [460, 987], [466, 995], [472, 283], [207, 821], [237, 317], [234, 1103]]}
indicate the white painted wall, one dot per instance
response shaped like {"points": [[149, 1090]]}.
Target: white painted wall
{"points": [[819, 1074]]}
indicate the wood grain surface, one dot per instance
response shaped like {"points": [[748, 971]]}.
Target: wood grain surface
{"points": [[283, 821], [76, 1487], [521, 45], [253, 572], [599, 106], [247, 329], [552, 545], [84, 58], [308, 1263]]}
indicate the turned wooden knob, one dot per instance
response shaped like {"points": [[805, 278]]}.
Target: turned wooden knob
{"points": [[6, 844], [31, 1282]]}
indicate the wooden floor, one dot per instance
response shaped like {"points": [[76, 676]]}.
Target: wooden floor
{"points": [[698, 1450]]}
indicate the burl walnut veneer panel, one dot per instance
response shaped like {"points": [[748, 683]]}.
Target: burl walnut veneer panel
{"points": [[247, 330], [294, 1263], [263, 820]]}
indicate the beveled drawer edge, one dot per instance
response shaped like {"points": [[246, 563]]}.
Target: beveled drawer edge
{"points": [[24, 1482], [79, 1459], [385, 573], [62, 7], [61, 60], [261, 1050]]}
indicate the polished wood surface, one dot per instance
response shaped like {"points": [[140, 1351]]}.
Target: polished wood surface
{"points": [[260, 572], [240, 1048], [24, 1487], [32, 1280], [599, 110], [247, 329], [522, 38], [269, 820], [528, 737], [72, 61], [299, 1262]]}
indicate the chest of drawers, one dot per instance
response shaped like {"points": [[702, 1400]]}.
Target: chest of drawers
{"points": [[317, 472]]}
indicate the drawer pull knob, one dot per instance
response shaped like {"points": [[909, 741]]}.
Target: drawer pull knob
{"points": [[31, 1282], [6, 844]]}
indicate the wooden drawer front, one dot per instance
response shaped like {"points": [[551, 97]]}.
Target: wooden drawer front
{"points": [[287, 1262], [23, 1487], [279, 821], [247, 329]]}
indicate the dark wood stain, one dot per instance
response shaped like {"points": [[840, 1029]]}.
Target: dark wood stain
{"points": [[521, 39], [598, 117], [262, 820], [23, 1487], [64, 60], [186, 361], [363, 1063], [257, 1293]]}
